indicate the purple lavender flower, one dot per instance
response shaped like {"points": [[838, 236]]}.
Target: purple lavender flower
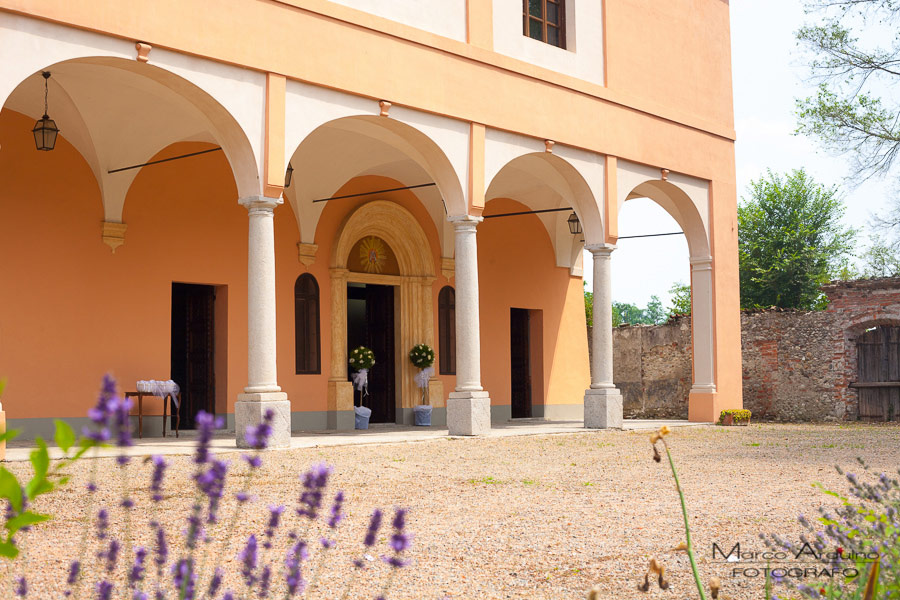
{"points": [[374, 526], [336, 514], [228, 595], [243, 497], [91, 486], [104, 590], [254, 461], [264, 580], [21, 587], [162, 549], [194, 530], [159, 471], [136, 574], [215, 583], [292, 572], [399, 540], [102, 523], [206, 424], [112, 555], [139, 595], [74, 570], [212, 483], [257, 436], [248, 558], [127, 503], [326, 543], [184, 578], [274, 519], [314, 482]]}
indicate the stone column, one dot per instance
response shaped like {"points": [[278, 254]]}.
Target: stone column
{"points": [[602, 401], [262, 392], [702, 326], [469, 407]]}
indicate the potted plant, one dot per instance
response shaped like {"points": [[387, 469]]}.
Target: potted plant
{"points": [[734, 416], [361, 360], [422, 357]]}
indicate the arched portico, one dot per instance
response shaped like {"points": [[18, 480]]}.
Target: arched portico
{"points": [[687, 201], [413, 284]]}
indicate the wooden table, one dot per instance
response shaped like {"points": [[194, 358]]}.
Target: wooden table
{"points": [[166, 398]]}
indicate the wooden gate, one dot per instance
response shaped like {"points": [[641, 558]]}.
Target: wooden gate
{"points": [[878, 373]]}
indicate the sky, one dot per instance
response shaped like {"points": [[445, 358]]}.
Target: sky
{"points": [[768, 74]]}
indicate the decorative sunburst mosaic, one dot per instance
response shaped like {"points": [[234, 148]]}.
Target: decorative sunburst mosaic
{"points": [[372, 254]]}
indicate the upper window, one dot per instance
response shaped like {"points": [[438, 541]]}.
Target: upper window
{"points": [[544, 20], [447, 330], [306, 325]]}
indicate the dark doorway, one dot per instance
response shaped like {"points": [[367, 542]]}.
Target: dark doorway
{"points": [[878, 375], [193, 344], [370, 323], [520, 363]]}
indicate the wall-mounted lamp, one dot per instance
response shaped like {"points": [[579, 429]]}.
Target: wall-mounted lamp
{"points": [[574, 224], [288, 176]]}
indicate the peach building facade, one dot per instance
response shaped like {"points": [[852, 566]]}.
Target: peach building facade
{"points": [[236, 198]]}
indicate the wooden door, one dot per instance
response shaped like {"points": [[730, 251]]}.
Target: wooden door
{"points": [[380, 338], [520, 363], [192, 361], [878, 373]]}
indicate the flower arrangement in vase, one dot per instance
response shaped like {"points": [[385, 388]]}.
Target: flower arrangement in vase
{"points": [[422, 357]]}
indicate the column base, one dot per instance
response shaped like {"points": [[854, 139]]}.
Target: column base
{"points": [[340, 406], [250, 410], [603, 408], [469, 413], [704, 405]]}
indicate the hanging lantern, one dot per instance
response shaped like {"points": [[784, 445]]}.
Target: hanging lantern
{"points": [[574, 224], [45, 130], [288, 176]]}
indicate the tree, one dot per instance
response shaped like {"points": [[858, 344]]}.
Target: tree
{"points": [[790, 241], [847, 114], [880, 259], [589, 305], [681, 299]]}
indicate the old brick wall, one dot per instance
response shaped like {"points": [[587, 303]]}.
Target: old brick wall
{"points": [[797, 366]]}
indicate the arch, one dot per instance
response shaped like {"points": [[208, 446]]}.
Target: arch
{"points": [[396, 226], [119, 113], [541, 180], [400, 230], [343, 148], [307, 329], [675, 201]]}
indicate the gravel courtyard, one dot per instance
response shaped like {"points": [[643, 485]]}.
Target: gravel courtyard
{"points": [[542, 516]]}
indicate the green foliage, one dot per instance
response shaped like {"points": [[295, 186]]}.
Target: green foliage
{"points": [[790, 241], [362, 358], [880, 259], [45, 479], [589, 306], [846, 113], [736, 413], [681, 299], [654, 314], [421, 356]]}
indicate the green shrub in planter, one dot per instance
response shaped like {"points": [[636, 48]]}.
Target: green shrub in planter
{"points": [[421, 356], [361, 358], [732, 416]]}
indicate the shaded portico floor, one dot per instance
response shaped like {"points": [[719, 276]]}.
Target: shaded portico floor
{"points": [[223, 441]]}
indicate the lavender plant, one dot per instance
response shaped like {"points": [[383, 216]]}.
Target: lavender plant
{"points": [[855, 545], [203, 561]]}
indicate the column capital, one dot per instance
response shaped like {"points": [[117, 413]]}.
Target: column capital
{"points": [[465, 222], [260, 203], [701, 263], [600, 250]]}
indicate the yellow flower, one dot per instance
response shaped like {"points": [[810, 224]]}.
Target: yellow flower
{"points": [[664, 430]]}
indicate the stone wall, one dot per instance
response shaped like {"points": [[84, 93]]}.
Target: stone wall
{"points": [[797, 366]]}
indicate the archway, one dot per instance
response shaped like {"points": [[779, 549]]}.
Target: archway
{"points": [[414, 311], [687, 202]]}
